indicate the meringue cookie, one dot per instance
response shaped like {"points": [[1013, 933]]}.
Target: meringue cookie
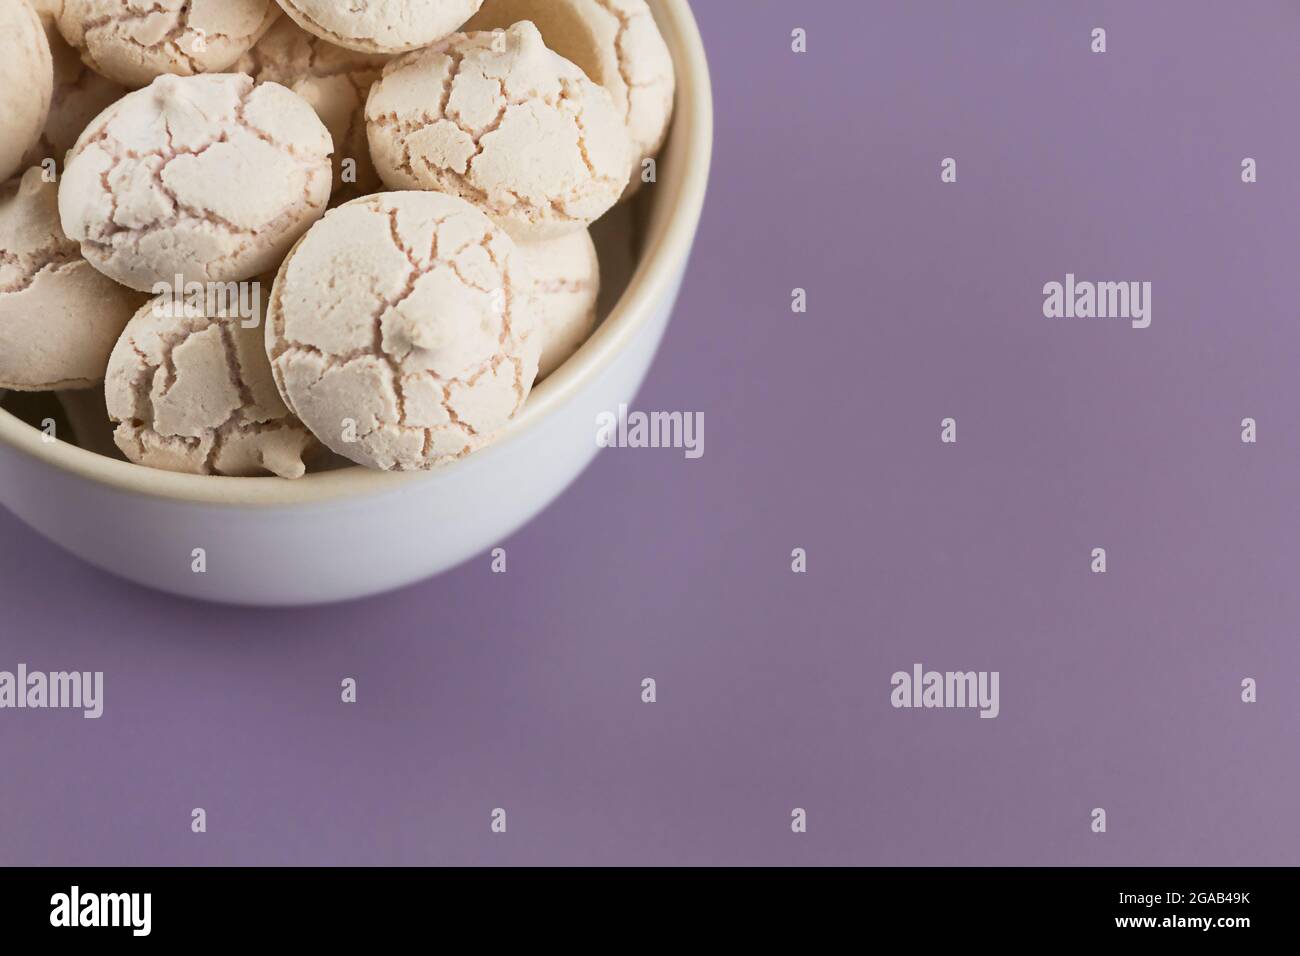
{"points": [[133, 41], [501, 121], [618, 44], [59, 317], [399, 330], [193, 392], [566, 284], [335, 81], [80, 94], [208, 177], [380, 26], [26, 83]]}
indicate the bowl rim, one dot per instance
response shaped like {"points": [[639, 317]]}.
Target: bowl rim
{"points": [[665, 250]]}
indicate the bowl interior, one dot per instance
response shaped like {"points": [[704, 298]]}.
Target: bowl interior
{"points": [[642, 245]]}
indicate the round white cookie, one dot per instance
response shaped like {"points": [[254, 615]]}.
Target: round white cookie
{"points": [[133, 41], [335, 81], [503, 122], [26, 83], [59, 317], [80, 94], [399, 330], [566, 284], [618, 44], [191, 391], [381, 26], [211, 178]]}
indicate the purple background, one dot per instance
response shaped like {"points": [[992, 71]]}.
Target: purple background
{"points": [[522, 690]]}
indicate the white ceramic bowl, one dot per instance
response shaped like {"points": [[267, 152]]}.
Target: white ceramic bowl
{"points": [[350, 533]]}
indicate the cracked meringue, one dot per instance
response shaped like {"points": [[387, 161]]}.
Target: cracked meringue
{"points": [[80, 94], [399, 330], [566, 285], [133, 41], [501, 121], [208, 177], [192, 391], [618, 44], [26, 83], [335, 81], [380, 26], [59, 317]]}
